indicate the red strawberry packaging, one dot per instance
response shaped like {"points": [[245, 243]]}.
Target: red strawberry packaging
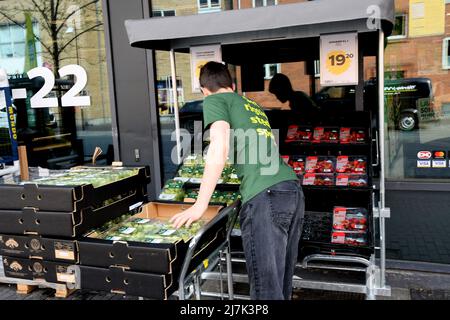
{"points": [[298, 164], [352, 238], [349, 219], [292, 133], [326, 135], [352, 135], [351, 164], [304, 134], [317, 179], [331, 135], [320, 164], [351, 180]]}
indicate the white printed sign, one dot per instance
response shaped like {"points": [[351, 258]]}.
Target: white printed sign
{"points": [[339, 59], [199, 57]]}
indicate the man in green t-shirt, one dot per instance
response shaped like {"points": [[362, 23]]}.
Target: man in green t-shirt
{"points": [[273, 203]]}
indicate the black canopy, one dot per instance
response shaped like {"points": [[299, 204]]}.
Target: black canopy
{"points": [[264, 24]]}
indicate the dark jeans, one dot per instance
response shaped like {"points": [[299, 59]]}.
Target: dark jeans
{"points": [[271, 224]]}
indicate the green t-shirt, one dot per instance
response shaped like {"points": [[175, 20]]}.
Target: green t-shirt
{"points": [[253, 150]]}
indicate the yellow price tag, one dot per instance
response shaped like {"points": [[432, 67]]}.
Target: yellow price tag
{"points": [[206, 263], [339, 62]]}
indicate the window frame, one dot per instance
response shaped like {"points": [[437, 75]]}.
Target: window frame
{"points": [[445, 54], [162, 12], [265, 3], [267, 70], [317, 68], [210, 7], [12, 41], [405, 35]]}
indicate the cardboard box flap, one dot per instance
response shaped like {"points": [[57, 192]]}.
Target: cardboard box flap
{"points": [[165, 211]]}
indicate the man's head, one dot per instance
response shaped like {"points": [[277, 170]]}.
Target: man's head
{"points": [[281, 87], [215, 76]]}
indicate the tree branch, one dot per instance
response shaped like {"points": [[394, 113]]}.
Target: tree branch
{"points": [[73, 12], [23, 27], [56, 9], [78, 35], [42, 12]]}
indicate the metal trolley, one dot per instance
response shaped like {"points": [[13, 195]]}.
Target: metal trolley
{"points": [[196, 262]]}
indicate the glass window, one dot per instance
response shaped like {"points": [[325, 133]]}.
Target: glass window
{"points": [[446, 54], [5, 34], [12, 41], [417, 98], [163, 13], [317, 68], [400, 27], [205, 6], [19, 49], [189, 103], [264, 3], [58, 137], [6, 51], [270, 70]]}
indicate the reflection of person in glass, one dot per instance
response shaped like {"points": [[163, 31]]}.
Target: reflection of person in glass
{"points": [[300, 102]]}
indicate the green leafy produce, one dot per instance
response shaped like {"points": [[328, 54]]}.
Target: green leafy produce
{"points": [[233, 177], [173, 190], [194, 160], [96, 176], [148, 230]]}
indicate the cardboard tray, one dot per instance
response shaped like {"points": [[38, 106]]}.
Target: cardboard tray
{"points": [[36, 247], [68, 198], [122, 281], [33, 269], [66, 224], [150, 257]]}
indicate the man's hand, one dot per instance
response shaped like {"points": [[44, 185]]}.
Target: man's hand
{"points": [[215, 161], [188, 216]]}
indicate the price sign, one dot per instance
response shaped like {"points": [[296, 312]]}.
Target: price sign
{"points": [[199, 57], [339, 59]]}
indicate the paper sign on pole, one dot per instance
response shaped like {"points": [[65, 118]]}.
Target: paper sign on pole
{"points": [[339, 59], [199, 57]]}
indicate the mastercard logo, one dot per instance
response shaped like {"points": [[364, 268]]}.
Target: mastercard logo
{"points": [[439, 154]]}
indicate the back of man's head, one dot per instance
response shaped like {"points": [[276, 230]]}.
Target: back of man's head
{"points": [[280, 83], [215, 76]]}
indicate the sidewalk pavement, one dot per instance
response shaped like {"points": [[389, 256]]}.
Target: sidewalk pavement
{"points": [[405, 285]]}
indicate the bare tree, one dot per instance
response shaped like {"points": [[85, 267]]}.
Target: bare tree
{"points": [[53, 16]]}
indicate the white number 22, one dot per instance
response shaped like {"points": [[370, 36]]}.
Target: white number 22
{"points": [[70, 98]]}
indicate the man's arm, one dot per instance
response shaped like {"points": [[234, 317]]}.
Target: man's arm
{"points": [[215, 161]]}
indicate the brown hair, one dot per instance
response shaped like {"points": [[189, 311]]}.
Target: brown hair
{"points": [[215, 76]]}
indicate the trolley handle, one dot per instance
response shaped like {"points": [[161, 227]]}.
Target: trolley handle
{"points": [[231, 212]]}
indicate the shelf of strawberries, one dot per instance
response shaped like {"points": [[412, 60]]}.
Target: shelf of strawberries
{"points": [[345, 225], [332, 156], [344, 231], [340, 171], [333, 160]]}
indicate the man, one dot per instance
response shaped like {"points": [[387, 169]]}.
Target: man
{"points": [[300, 102], [273, 203]]}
